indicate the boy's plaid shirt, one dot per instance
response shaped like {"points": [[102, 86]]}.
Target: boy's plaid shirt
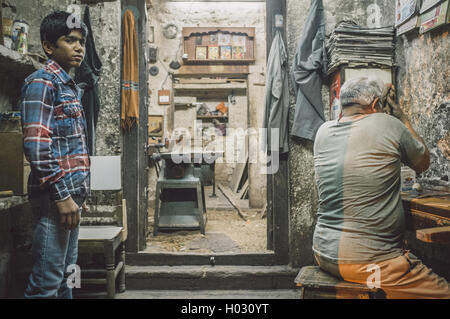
{"points": [[54, 132]]}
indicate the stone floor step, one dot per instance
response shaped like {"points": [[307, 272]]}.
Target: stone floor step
{"points": [[210, 277], [210, 294]]}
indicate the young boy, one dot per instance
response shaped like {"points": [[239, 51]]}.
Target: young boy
{"points": [[55, 144]]}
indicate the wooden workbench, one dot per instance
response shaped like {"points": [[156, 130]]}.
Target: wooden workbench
{"points": [[428, 215]]}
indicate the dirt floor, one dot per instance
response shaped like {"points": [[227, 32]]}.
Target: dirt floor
{"points": [[226, 231]]}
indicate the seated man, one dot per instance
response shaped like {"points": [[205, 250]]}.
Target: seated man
{"points": [[361, 223]]}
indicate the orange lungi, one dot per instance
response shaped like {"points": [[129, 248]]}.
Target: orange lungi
{"points": [[404, 277]]}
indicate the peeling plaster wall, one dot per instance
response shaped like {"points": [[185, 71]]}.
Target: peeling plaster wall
{"points": [[424, 94], [204, 14], [302, 189]]}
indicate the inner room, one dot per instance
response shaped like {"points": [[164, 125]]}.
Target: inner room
{"points": [[206, 86]]}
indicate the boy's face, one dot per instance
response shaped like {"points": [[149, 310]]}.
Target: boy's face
{"points": [[68, 51]]}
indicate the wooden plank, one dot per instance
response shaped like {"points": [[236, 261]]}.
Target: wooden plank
{"points": [[281, 210], [244, 189], [212, 70], [206, 117], [202, 80], [187, 32], [314, 277], [182, 259], [434, 235], [420, 220], [230, 199], [237, 88], [124, 220], [264, 211], [235, 85], [436, 205], [238, 173], [98, 233]]}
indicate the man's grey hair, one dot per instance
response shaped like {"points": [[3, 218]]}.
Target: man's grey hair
{"points": [[361, 91]]}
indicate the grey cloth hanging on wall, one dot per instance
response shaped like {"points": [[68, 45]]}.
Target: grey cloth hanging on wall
{"points": [[307, 69], [277, 96], [87, 77]]}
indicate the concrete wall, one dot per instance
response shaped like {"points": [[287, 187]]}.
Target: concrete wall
{"points": [[302, 191], [423, 90], [204, 14]]}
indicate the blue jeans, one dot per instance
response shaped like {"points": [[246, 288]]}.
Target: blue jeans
{"points": [[53, 250]]}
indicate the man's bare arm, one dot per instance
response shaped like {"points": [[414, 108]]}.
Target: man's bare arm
{"points": [[395, 110]]}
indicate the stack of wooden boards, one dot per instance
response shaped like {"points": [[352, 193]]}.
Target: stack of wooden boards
{"points": [[352, 45]]}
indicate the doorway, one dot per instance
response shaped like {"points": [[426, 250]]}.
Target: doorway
{"points": [[240, 227]]}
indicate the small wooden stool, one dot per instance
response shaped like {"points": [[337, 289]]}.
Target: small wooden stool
{"points": [[317, 284], [106, 240]]}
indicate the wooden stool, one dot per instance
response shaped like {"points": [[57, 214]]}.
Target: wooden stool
{"points": [[107, 240], [317, 284]]}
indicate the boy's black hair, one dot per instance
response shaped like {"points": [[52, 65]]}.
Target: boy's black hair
{"points": [[56, 25]]}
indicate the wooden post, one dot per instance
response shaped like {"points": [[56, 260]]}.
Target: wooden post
{"points": [[1, 26], [135, 142], [277, 184]]}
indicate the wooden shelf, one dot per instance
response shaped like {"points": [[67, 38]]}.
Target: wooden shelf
{"points": [[98, 1], [210, 90], [218, 61], [207, 117], [237, 71], [16, 65]]}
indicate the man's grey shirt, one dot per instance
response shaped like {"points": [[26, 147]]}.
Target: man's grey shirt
{"points": [[357, 167]]}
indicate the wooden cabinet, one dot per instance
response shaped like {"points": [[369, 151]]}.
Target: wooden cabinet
{"points": [[14, 169], [219, 45]]}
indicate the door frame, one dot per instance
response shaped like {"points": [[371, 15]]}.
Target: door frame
{"points": [[135, 159]]}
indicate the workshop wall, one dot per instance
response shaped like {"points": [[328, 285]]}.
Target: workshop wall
{"points": [[423, 91], [302, 189], [204, 14]]}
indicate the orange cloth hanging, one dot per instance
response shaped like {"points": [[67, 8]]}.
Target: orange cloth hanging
{"points": [[130, 73]]}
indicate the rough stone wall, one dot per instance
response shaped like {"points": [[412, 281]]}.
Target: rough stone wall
{"points": [[105, 20], [302, 189], [201, 14], [424, 94]]}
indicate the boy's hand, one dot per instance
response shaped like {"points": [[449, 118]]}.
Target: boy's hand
{"points": [[85, 207], [69, 213]]}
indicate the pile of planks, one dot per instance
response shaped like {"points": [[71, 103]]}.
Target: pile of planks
{"points": [[239, 180], [355, 46]]}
